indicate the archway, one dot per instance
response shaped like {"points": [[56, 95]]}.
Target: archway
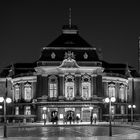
{"points": [[54, 116], [70, 116]]}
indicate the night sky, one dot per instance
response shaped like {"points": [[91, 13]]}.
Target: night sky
{"points": [[27, 26]]}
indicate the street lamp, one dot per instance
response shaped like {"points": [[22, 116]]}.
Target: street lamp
{"points": [[5, 100], [109, 100], [44, 114], [132, 115]]}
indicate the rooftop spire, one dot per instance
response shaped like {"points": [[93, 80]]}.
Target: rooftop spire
{"points": [[70, 17]]}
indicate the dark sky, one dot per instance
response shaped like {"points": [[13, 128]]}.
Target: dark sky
{"points": [[27, 26]]}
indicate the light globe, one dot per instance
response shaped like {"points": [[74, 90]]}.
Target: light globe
{"points": [[107, 100], [129, 106], [44, 108], [113, 99], [8, 100], [134, 106], [1, 99], [90, 107]]}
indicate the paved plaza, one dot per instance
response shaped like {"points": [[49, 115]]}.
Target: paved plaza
{"points": [[82, 131]]}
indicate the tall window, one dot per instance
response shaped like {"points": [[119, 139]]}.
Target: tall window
{"points": [[122, 109], [111, 89], [122, 93], [52, 86], [17, 92], [16, 110], [27, 110], [86, 87], [28, 91], [69, 87]]}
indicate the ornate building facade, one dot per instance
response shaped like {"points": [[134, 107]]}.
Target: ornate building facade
{"points": [[68, 79]]}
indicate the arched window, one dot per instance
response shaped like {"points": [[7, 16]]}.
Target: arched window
{"points": [[111, 89], [69, 87], [53, 86], [122, 93], [86, 87], [17, 92], [27, 91]]}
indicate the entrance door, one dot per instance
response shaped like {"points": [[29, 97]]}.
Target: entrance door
{"points": [[54, 116], [70, 115], [86, 115]]}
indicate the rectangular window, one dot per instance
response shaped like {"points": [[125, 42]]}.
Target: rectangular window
{"points": [[122, 110], [17, 93], [27, 110], [28, 93], [53, 90], [16, 110]]}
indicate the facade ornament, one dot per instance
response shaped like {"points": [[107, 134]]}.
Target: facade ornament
{"points": [[69, 55], [53, 55], [85, 55]]}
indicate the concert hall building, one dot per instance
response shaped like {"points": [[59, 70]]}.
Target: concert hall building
{"points": [[69, 78]]}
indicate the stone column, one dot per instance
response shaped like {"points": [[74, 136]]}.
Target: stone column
{"points": [[45, 85], [39, 86], [93, 86], [61, 87], [77, 86], [99, 85]]}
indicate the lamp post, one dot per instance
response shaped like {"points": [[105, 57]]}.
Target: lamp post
{"points": [[44, 114], [132, 107], [5, 100], [109, 100]]}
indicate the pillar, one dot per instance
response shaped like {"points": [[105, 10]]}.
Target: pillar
{"points": [[78, 85], [61, 86]]}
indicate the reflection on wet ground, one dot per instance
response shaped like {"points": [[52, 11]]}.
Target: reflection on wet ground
{"points": [[76, 131]]}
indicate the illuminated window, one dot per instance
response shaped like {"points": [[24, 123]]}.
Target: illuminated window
{"points": [[122, 110], [86, 87], [113, 110], [17, 92], [16, 110], [27, 110], [122, 93], [28, 91], [52, 86], [111, 90], [69, 87]]}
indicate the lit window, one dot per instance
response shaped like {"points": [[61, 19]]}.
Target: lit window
{"points": [[122, 93], [16, 110], [122, 110], [28, 92], [111, 90], [69, 87], [27, 110], [86, 87], [53, 86], [17, 92]]}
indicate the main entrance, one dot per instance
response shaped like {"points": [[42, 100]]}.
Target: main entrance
{"points": [[70, 116], [54, 116]]}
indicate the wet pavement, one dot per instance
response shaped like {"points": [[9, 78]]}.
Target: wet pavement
{"points": [[67, 132]]}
